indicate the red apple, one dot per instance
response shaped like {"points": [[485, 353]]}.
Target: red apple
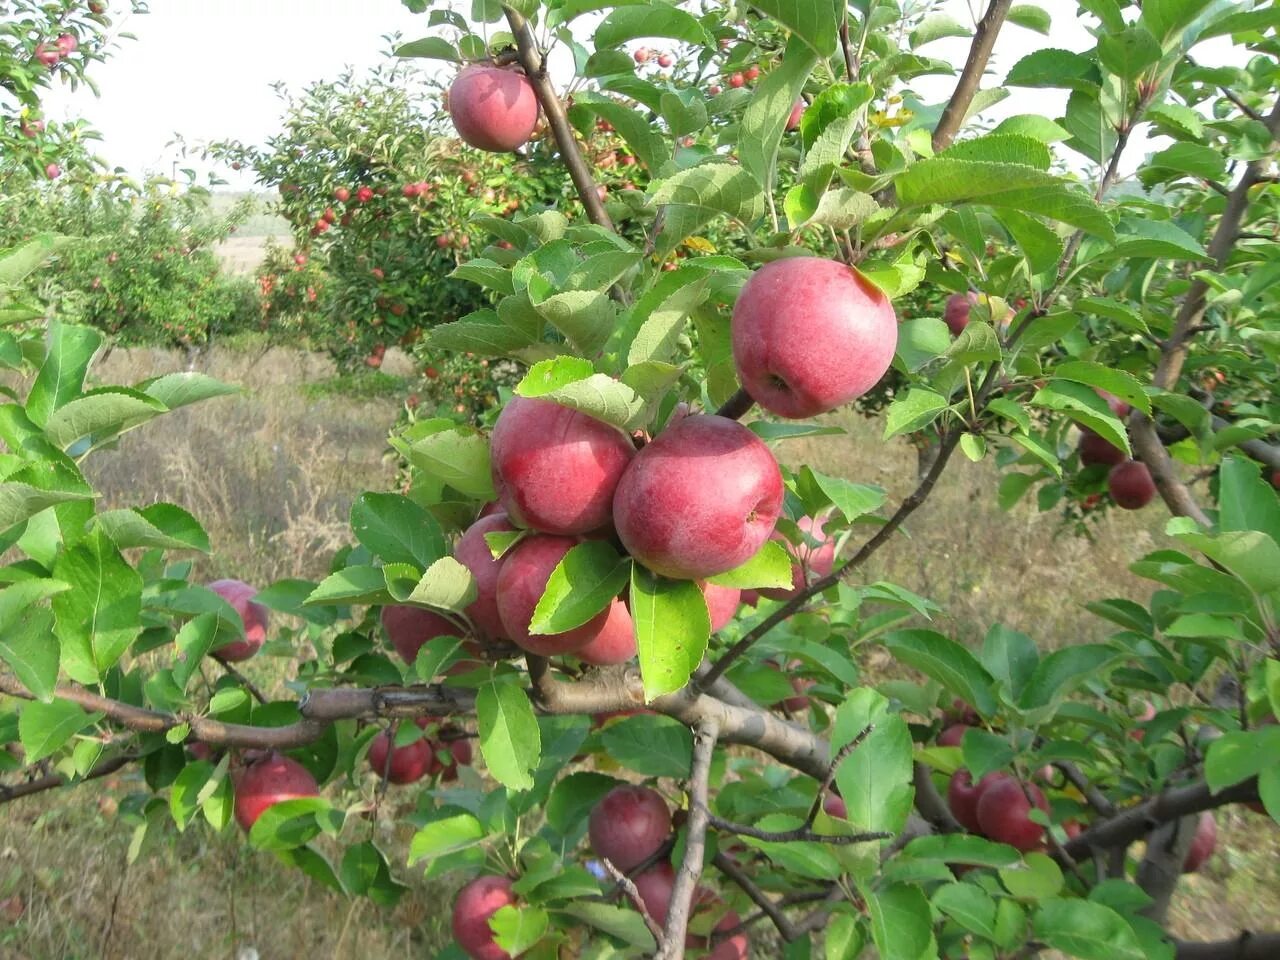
{"points": [[300, 259], [700, 499], [271, 779], [556, 469], [475, 904], [52, 171], [493, 108], [963, 796], [364, 194], [66, 44], [342, 194], [47, 55], [31, 128], [810, 334], [628, 825], [1118, 406], [751, 72], [956, 313], [1097, 451], [737, 80], [1130, 485], [1202, 844], [655, 887], [722, 604], [834, 806], [811, 562], [953, 736], [408, 764], [735, 947], [961, 712], [793, 118], [521, 582], [450, 754], [1003, 810], [473, 553], [408, 628], [666, 60], [616, 641], [642, 55], [253, 615]]}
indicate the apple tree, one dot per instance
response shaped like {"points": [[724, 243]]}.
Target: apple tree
{"points": [[652, 630]]}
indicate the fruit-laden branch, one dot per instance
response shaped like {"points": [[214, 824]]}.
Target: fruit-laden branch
{"points": [[984, 40], [1247, 946], [1173, 354], [52, 781], [671, 947], [535, 69], [1135, 823]]}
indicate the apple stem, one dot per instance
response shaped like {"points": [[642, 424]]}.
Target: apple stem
{"points": [[737, 406]]}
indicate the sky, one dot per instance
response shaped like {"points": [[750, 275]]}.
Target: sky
{"points": [[204, 68]]}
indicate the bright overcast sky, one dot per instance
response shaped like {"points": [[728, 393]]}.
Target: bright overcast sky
{"points": [[203, 68]]}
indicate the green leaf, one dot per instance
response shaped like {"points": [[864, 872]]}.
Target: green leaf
{"points": [[1153, 238], [853, 500], [44, 727], [1031, 17], [447, 585], [21, 501], [396, 529], [720, 187], [510, 740], [962, 848], [584, 582], [198, 636], [1239, 755], [875, 780], [901, 923], [1062, 671], [432, 48], [765, 119], [597, 395], [922, 340], [1041, 246], [1002, 148], [672, 628], [358, 584], [175, 390], [652, 746], [968, 905], [458, 457], [446, 832], [19, 262], [937, 26], [947, 662], [1051, 67], [585, 317], [660, 20], [1128, 53], [106, 411], [1167, 18], [977, 343], [27, 643], [1036, 878], [101, 614], [292, 823], [1010, 657], [625, 924], [1032, 125], [1084, 406], [516, 929], [163, 525], [1123, 385], [770, 567], [918, 409], [184, 794], [61, 376], [1090, 931], [660, 313], [1245, 500], [813, 21]]}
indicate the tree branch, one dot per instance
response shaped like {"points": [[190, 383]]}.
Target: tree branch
{"points": [[1134, 823], [671, 946], [103, 768], [1161, 867], [930, 804], [984, 40], [535, 69], [1247, 946], [799, 833], [1173, 355], [757, 896], [633, 894]]}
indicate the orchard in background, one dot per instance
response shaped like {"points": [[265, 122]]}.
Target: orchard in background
{"points": [[652, 629]]}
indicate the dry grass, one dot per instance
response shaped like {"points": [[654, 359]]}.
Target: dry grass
{"points": [[271, 473]]}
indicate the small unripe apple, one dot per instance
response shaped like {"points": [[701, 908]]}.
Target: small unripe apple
{"points": [[408, 628], [52, 171], [628, 825], [956, 313], [834, 806], [493, 108], [522, 580], [810, 562], [342, 194], [811, 334], [793, 118], [642, 55], [409, 190], [556, 469], [700, 499], [1003, 810], [475, 904], [253, 615], [1130, 485], [1098, 451], [300, 259], [1202, 844], [32, 128], [269, 780], [737, 80], [1118, 406], [97, 6]]}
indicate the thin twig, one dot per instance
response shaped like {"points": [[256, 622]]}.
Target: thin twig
{"points": [[671, 946], [1097, 799], [797, 834], [757, 896], [841, 755], [244, 681], [54, 780], [628, 886]]}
